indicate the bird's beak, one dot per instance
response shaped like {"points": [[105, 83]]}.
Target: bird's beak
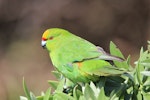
{"points": [[43, 43]]}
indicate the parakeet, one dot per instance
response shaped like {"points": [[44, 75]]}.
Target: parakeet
{"points": [[76, 58]]}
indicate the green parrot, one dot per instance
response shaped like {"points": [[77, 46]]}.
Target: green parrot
{"points": [[76, 58]]}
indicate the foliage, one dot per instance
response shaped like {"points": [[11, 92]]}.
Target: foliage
{"points": [[134, 85]]}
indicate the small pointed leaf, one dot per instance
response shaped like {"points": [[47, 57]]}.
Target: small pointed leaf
{"points": [[23, 98], [47, 94], [146, 73], [53, 84], [26, 90], [116, 52], [89, 93], [57, 74], [62, 96], [60, 86], [102, 95], [32, 96]]}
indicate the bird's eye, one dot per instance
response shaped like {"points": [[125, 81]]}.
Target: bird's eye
{"points": [[51, 38]]}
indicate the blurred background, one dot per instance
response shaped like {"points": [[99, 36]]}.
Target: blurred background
{"points": [[22, 22]]}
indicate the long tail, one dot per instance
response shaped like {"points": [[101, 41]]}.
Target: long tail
{"points": [[107, 56]]}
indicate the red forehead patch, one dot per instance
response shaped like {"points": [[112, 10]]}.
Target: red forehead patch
{"points": [[44, 39]]}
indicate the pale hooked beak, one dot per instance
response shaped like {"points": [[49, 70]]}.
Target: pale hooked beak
{"points": [[43, 43]]}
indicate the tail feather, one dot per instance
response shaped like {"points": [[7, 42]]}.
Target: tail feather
{"points": [[107, 56]]}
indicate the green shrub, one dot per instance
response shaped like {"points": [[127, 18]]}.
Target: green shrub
{"points": [[134, 85]]}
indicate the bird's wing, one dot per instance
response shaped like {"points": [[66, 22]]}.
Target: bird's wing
{"points": [[99, 67], [77, 49]]}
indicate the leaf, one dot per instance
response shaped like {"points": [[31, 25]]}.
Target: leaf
{"points": [[147, 82], [96, 90], [146, 63], [139, 76], [23, 98], [57, 74], [47, 94], [32, 96], [82, 98], [69, 83], [89, 93], [39, 97], [146, 96], [148, 46], [142, 67], [53, 84], [101, 83], [76, 93], [146, 73], [26, 90], [143, 55], [139, 96], [118, 93], [102, 95], [129, 93], [60, 86], [116, 52], [62, 96]]}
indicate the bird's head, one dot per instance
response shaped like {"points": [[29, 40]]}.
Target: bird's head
{"points": [[51, 38]]}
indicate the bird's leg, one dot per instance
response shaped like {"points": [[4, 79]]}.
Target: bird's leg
{"points": [[68, 86], [65, 84], [65, 88]]}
